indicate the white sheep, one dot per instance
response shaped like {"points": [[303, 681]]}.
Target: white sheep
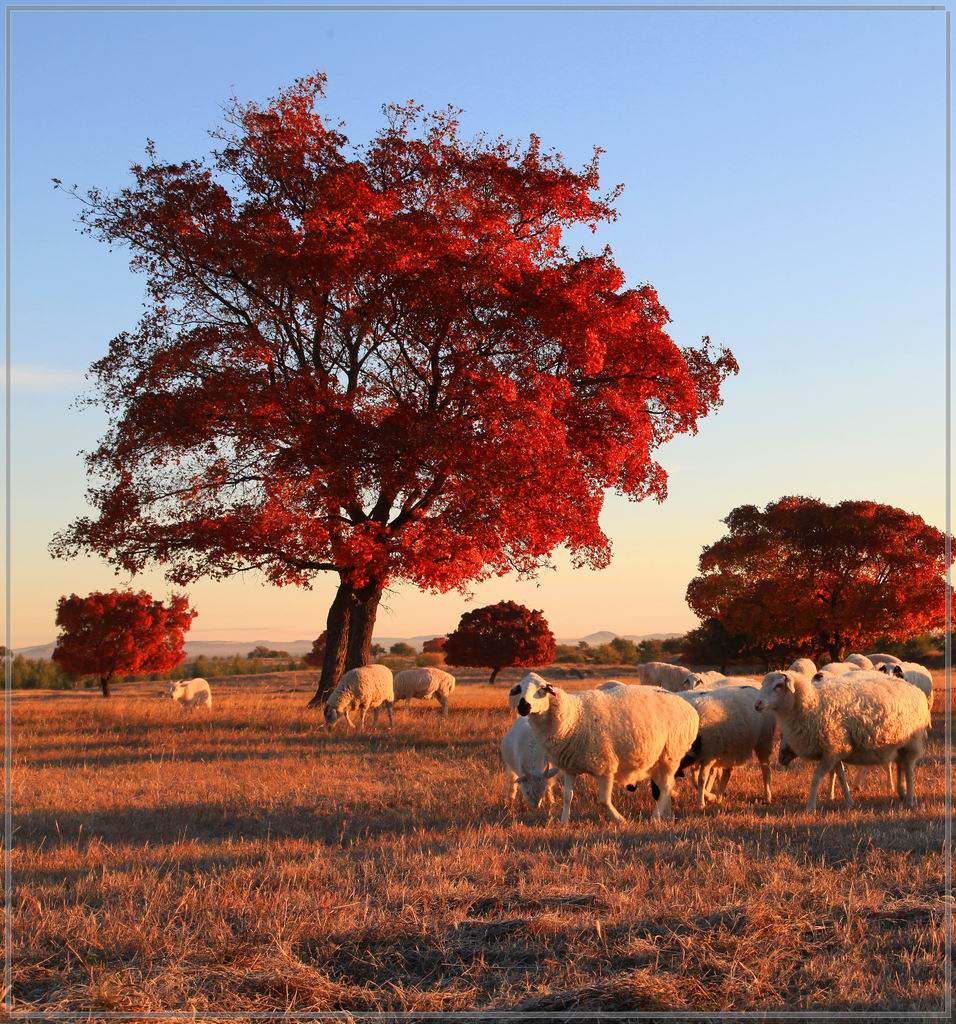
{"points": [[913, 673], [804, 666], [526, 765], [853, 722], [884, 659], [658, 673], [368, 688], [732, 731], [190, 693], [424, 684], [838, 668], [723, 682], [613, 685], [699, 679], [622, 735], [860, 660], [787, 754]]}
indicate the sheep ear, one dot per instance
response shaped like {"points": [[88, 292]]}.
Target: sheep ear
{"points": [[791, 685], [551, 772], [521, 779], [548, 688]]}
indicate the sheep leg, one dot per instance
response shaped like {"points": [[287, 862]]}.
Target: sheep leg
{"points": [[823, 768], [701, 787], [362, 720], [722, 785], [408, 703], [840, 773], [511, 786], [663, 808], [765, 772], [910, 781], [443, 701], [833, 782], [374, 718], [889, 777], [348, 718], [605, 786], [568, 793]]}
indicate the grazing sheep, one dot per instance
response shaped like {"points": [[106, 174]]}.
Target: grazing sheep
{"points": [[424, 684], [804, 666], [860, 660], [732, 731], [526, 765], [699, 679], [883, 659], [838, 668], [658, 673], [854, 722], [368, 688], [190, 693], [619, 735], [916, 674]]}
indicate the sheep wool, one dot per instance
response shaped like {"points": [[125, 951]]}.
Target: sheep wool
{"points": [[191, 693], [621, 735], [804, 666], [856, 721], [732, 732], [860, 660], [365, 689], [424, 684], [526, 765], [671, 677]]}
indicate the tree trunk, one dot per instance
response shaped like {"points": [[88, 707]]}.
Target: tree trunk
{"points": [[105, 684], [494, 672], [363, 609], [336, 641]]}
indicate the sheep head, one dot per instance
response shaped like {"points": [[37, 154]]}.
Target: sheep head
{"points": [[776, 691], [532, 696]]}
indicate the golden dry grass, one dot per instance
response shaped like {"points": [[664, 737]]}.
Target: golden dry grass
{"points": [[250, 861]]}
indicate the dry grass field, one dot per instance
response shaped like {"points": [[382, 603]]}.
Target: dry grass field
{"points": [[248, 860]]}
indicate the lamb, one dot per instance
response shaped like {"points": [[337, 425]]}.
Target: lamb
{"points": [[658, 673], [619, 735], [883, 659], [732, 731], [366, 688], [913, 673], [860, 660], [190, 693], [856, 722], [424, 684], [804, 666], [526, 765]]}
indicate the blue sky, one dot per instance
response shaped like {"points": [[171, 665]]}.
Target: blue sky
{"points": [[785, 193]]}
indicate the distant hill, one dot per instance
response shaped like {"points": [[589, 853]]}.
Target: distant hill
{"points": [[228, 648]]}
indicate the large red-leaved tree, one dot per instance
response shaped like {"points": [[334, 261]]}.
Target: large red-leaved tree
{"points": [[498, 636], [379, 361], [802, 576], [120, 633]]}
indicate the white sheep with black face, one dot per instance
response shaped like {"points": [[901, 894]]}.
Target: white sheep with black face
{"points": [[190, 693], [854, 721], [526, 765], [625, 734], [913, 673]]}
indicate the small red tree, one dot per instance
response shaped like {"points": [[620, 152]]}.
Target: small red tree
{"points": [[802, 576], [316, 656], [500, 636], [380, 361], [434, 646], [119, 633]]}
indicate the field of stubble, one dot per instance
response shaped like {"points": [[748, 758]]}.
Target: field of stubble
{"points": [[250, 861]]}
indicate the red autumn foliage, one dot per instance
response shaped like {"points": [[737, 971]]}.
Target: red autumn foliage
{"points": [[501, 636], [804, 577], [380, 361], [434, 646], [316, 656], [119, 633]]}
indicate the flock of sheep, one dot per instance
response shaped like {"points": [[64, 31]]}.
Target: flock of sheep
{"points": [[869, 711]]}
